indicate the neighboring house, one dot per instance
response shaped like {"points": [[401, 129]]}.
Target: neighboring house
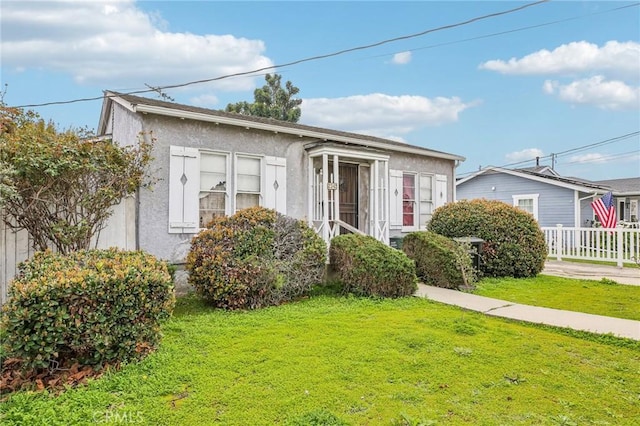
{"points": [[627, 196], [550, 198], [211, 163]]}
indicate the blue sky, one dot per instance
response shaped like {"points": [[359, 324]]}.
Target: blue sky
{"points": [[570, 81]]}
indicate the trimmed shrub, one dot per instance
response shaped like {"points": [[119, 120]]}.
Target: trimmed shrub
{"points": [[440, 261], [255, 258], [92, 307], [367, 267], [514, 243]]}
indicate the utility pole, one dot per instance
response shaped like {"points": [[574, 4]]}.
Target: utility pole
{"points": [[553, 161]]}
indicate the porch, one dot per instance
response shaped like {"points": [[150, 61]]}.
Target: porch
{"points": [[348, 192]]}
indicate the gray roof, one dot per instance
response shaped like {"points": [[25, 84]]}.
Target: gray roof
{"points": [[547, 170], [619, 187], [628, 185], [138, 100], [569, 180]]}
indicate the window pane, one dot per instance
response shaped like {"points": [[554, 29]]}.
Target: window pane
{"points": [[248, 174], [425, 212], [244, 201], [249, 166], [408, 187], [248, 183], [526, 205], [426, 192], [408, 197], [211, 204], [213, 181], [213, 163]]}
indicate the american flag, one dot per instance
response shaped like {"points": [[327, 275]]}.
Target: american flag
{"points": [[605, 210]]}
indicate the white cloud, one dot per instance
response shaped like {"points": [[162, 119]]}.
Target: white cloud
{"points": [[605, 94], [402, 58], [382, 115], [524, 155], [589, 158], [115, 43], [613, 58]]}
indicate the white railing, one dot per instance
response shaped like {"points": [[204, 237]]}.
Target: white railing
{"points": [[619, 245]]}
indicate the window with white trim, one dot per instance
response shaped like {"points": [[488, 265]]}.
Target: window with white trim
{"points": [[248, 181], [426, 199], [528, 203], [214, 181], [204, 184], [409, 209], [413, 197]]}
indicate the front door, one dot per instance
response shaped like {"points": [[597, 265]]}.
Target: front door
{"points": [[348, 189]]}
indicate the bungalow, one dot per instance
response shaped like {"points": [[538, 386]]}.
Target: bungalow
{"points": [[210, 163]]}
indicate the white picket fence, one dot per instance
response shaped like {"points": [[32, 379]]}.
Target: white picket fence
{"points": [[619, 245], [16, 247]]}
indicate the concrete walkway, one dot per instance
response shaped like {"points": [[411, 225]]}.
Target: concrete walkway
{"points": [[500, 308], [588, 271]]}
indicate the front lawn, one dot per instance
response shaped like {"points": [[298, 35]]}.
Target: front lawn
{"points": [[331, 360], [592, 297]]}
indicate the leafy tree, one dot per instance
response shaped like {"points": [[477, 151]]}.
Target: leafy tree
{"points": [[60, 185], [272, 101]]}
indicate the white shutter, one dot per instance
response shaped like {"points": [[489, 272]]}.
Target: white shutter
{"points": [[275, 191], [395, 199], [441, 191], [184, 187]]}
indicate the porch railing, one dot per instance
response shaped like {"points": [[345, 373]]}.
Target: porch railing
{"points": [[619, 245]]}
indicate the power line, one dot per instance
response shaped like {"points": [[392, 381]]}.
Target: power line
{"points": [[299, 61], [568, 151], [603, 158], [573, 18], [601, 143]]}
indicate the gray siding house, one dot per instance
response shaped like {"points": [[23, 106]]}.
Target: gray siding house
{"points": [[551, 199], [210, 163]]}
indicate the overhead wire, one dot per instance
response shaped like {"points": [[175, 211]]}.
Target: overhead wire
{"points": [[568, 151], [299, 61], [529, 27], [604, 157]]}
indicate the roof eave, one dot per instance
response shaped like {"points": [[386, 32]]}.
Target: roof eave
{"points": [[543, 179], [171, 112]]}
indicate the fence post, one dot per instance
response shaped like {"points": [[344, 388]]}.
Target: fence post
{"points": [[620, 255], [559, 244]]}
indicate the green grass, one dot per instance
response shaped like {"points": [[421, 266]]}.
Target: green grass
{"points": [[335, 361], [592, 297]]}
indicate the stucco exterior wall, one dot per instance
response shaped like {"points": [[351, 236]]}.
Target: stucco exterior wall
{"points": [[154, 203], [153, 207]]}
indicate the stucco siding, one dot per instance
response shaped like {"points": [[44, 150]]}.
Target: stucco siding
{"points": [[153, 208], [555, 204], [154, 203]]}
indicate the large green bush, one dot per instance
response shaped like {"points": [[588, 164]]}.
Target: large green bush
{"points": [[440, 261], [514, 243], [92, 307], [367, 267], [255, 258]]}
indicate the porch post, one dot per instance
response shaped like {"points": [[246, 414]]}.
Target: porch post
{"points": [[310, 201], [336, 192], [325, 197], [376, 203], [386, 201]]}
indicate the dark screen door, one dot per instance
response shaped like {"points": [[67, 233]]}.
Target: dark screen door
{"points": [[349, 193]]}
